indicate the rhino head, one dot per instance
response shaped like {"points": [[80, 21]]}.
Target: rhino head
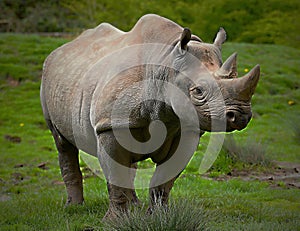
{"points": [[219, 96]]}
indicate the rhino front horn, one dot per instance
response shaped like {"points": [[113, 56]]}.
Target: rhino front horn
{"points": [[245, 86], [229, 68]]}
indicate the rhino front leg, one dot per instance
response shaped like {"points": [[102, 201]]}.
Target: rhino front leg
{"points": [[169, 168], [159, 195], [69, 166], [159, 192], [119, 171]]}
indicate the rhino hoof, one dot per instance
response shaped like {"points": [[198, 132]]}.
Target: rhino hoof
{"points": [[110, 215], [71, 201]]}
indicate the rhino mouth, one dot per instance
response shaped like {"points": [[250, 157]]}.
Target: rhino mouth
{"points": [[238, 127], [236, 121]]}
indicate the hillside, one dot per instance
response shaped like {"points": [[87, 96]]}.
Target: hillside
{"points": [[252, 21]]}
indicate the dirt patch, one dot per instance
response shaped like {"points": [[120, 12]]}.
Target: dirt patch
{"points": [[282, 175], [13, 139], [4, 198]]}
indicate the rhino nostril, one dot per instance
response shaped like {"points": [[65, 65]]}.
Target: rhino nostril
{"points": [[230, 116]]}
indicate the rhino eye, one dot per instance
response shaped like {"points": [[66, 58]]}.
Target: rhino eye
{"points": [[198, 90], [198, 95]]}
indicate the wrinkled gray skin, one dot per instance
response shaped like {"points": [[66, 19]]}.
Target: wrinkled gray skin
{"points": [[78, 92]]}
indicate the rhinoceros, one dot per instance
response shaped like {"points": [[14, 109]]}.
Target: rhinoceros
{"points": [[147, 93]]}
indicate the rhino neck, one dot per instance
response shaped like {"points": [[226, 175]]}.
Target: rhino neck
{"points": [[156, 103]]}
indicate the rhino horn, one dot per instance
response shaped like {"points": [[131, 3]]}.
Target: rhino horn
{"points": [[245, 86], [229, 68], [220, 38]]}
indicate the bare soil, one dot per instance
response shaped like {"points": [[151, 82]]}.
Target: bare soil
{"points": [[282, 175]]}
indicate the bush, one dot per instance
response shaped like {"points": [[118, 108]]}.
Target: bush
{"points": [[294, 124], [34, 16], [251, 152]]}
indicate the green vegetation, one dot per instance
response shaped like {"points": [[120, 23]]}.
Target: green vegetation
{"points": [[22, 56], [271, 21], [32, 196], [191, 217]]}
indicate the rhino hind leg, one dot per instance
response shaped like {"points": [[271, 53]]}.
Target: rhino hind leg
{"points": [[69, 166]]}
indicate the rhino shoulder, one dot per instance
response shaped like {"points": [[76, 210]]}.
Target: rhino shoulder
{"points": [[155, 28], [154, 20]]}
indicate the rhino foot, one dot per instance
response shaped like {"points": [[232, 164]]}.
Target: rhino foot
{"points": [[75, 195]]}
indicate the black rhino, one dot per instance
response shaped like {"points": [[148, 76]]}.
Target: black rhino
{"points": [[147, 93]]}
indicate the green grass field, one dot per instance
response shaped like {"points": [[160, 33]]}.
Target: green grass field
{"points": [[32, 196]]}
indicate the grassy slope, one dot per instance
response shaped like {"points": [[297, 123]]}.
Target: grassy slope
{"points": [[33, 198]]}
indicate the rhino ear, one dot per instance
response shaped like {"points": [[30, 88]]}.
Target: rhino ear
{"points": [[220, 38], [185, 38]]}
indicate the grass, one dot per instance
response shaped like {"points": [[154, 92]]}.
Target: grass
{"points": [[212, 205], [32, 196], [22, 56]]}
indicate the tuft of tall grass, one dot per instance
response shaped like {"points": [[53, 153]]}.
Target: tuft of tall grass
{"points": [[179, 215], [294, 124], [296, 130], [251, 152]]}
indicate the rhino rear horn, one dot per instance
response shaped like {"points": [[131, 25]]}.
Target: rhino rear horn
{"points": [[220, 38], [228, 69], [245, 86], [185, 38]]}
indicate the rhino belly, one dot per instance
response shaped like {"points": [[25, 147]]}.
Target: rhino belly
{"points": [[84, 134], [68, 109], [85, 140]]}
